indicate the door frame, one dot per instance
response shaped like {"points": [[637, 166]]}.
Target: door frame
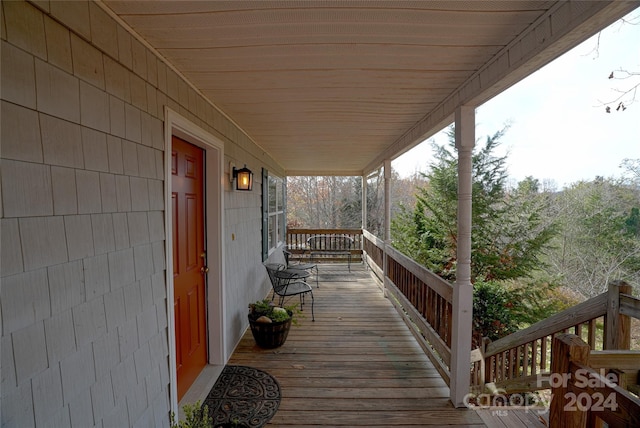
{"points": [[179, 126]]}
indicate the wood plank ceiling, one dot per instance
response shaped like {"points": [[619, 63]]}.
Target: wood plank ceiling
{"points": [[327, 86]]}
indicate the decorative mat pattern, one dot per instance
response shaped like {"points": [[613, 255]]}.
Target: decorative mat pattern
{"points": [[243, 394]]}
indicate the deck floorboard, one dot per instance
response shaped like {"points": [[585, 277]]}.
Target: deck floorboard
{"points": [[356, 365]]}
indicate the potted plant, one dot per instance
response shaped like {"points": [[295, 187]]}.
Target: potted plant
{"points": [[269, 323]]}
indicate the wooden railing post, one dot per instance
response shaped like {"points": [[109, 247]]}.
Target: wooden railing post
{"points": [[385, 268], [486, 372], [617, 329], [566, 348]]}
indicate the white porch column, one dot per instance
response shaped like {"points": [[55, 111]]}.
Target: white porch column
{"points": [[463, 290], [364, 202], [386, 235], [387, 200]]}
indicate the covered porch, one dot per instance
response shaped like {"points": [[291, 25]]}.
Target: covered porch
{"points": [[359, 365], [94, 94]]}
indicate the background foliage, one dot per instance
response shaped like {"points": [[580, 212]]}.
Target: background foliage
{"points": [[535, 249]]}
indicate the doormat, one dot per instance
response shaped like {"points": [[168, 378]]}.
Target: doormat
{"points": [[243, 395]]}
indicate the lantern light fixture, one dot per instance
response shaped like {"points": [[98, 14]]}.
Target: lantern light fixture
{"points": [[243, 177]]}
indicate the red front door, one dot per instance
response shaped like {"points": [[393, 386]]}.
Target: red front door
{"points": [[188, 261]]}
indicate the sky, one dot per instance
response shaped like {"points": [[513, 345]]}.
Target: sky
{"points": [[559, 129]]}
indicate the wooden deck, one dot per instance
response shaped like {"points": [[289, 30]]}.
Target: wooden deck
{"points": [[356, 365]]}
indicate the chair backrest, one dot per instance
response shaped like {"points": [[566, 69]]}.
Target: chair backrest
{"points": [[287, 255], [276, 283], [330, 242]]}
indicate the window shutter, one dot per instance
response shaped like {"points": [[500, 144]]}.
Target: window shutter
{"points": [[265, 214]]}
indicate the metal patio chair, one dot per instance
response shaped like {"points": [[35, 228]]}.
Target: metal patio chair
{"points": [[286, 283], [309, 267]]}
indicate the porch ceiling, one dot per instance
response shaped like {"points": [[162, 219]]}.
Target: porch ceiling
{"points": [[336, 87]]}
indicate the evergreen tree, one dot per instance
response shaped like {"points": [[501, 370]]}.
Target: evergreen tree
{"points": [[510, 228]]}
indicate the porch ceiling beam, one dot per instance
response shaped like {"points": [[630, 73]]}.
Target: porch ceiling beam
{"points": [[563, 27]]}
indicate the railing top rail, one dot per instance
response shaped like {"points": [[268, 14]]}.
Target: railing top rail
{"points": [[439, 285], [309, 231], [615, 359], [630, 305], [581, 313], [373, 238]]}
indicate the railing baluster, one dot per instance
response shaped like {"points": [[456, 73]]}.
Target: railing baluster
{"points": [[534, 357], [543, 354], [592, 334]]}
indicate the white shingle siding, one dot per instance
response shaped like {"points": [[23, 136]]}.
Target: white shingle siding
{"points": [[102, 397], [10, 247], [106, 353], [114, 309], [58, 93], [79, 236], [81, 410], [94, 108], [83, 298], [88, 187], [20, 132], [69, 334], [43, 240], [87, 62], [103, 233], [18, 81], [130, 158], [25, 28], [61, 340], [121, 268], [94, 147], [138, 228], [121, 230], [89, 321], [26, 189], [66, 284], [30, 351], [132, 123], [132, 300], [139, 194], [47, 394], [104, 30], [61, 142], [146, 162], [117, 126], [25, 300], [65, 193], [123, 193], [96, 276], [58, 44]]}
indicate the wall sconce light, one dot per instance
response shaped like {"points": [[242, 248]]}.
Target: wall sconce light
{"points": [[243, 177]]}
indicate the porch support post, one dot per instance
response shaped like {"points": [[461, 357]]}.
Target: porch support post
{"points": [[463, 290], [387, 224], [387, 200], [364, 202]]}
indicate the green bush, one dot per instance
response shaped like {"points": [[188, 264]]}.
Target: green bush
{"points": [[195, 416], [503, 307], [494, 309]]}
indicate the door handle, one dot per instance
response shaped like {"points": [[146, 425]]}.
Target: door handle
{"points": [[204, 270]]}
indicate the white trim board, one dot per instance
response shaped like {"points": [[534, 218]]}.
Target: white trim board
{"points": [[177, 125]]}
